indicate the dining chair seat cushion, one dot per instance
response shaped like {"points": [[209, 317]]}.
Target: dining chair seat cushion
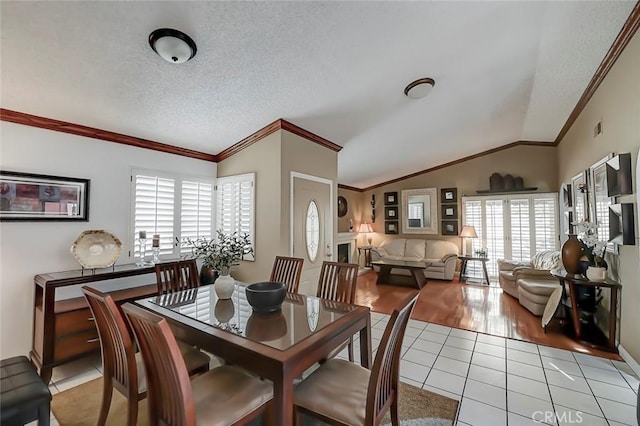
{"points": [[317, 393], [195, 360], [226, 394]]}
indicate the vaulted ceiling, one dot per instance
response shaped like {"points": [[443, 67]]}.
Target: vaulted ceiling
{"points": [[504, 71]]}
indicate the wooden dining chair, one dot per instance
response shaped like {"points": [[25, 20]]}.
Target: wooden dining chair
{"points": [[121, 365], [177, 276], [226, 395], [337, 282], [287, 270], [364, 395]]}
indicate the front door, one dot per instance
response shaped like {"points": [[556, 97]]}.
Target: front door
{"points": [[312, 226]]}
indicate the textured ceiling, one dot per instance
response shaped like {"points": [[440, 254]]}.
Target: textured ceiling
{"points": [[504, 71]]}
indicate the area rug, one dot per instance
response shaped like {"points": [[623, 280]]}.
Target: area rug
{"points": [[80, 406]]}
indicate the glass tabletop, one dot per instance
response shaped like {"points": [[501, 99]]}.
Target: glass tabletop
{"points": [[299, 318], [400, 263]]}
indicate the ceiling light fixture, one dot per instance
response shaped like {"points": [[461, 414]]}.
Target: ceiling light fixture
{"points": [[172, 45], [419, 88]]}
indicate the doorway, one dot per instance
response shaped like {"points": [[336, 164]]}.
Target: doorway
{"points": [[311, 226]]}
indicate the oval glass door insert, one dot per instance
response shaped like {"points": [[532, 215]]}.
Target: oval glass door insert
{"points": [[312, 230]]}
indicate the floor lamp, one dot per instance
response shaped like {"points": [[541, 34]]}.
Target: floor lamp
{"points": [[466, 234]]}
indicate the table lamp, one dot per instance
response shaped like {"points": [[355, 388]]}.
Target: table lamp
{"points": [[466, 234], [365, 229]]}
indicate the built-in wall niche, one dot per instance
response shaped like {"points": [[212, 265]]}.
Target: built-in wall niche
{"points": [[622, 224], [619, 179]]}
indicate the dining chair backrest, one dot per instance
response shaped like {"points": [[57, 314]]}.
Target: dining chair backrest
{"points": [[287, 270], [337, 282], [383, 382], [118, 349], [176, 276], [120, 367], [168, 388]]}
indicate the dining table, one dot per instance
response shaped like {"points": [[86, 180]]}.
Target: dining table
{"points": [[278, 346]]}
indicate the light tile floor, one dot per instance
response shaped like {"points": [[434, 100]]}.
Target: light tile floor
{"points": [[498, 381]]}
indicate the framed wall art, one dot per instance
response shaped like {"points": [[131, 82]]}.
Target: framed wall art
{"points": [[449, 227], [390, 198], [391, 213], [449, 211], [26, 196], [448, 195], [391, 227]]}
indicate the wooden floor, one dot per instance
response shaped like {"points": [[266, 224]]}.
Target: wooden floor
{"points": [[470, 307]]}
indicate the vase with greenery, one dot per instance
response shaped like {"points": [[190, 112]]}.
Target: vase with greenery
{"points": [[221, 254]]}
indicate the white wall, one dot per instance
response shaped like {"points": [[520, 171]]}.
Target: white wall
{"points": [[29, 248]]}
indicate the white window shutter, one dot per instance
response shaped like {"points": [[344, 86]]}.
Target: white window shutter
{"points": [[235, 203], [154, 212], [520, 229], [196, 211], [545, 220]]}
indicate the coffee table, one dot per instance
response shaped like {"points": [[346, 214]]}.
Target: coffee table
{"points": [[416, 269]]}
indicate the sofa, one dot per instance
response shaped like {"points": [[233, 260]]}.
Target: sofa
{"points": [[530, 282], [442, 256]]}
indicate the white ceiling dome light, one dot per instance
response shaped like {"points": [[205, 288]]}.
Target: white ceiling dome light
{"points": [[419, 88], [172, 45]]}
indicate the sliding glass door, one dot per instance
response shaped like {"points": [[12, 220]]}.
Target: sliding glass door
{"points": [[511, 226]]}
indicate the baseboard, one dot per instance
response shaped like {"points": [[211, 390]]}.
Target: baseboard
{"points": [[629, 360]]}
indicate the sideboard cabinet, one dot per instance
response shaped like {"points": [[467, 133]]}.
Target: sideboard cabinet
{"points": [[64, 330]]}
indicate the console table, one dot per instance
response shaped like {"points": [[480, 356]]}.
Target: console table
{"points": [[586, 330], [64, 330]]}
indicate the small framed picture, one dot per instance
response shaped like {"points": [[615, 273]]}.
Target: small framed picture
{"points": [[391, 213], [390, 198], [450, 211], [448, 195], [391, 227], [449, 227]]}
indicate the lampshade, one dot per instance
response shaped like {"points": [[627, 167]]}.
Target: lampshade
{"points": [[172, 45], [365, 228], [419, 88], [468, 232]]}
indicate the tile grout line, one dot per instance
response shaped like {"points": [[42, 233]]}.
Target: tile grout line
{"points": [[475, 342]]}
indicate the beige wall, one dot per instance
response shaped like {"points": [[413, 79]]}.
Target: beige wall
{"points": [[355, 211], [272, 159], [263, 158], [303, 156], [617, 104], [536, 165]]}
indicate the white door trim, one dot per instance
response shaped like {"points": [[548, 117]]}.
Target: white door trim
{"points": [[326, 181]]}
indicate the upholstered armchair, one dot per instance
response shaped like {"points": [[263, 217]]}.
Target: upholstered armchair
{"points": [[531, 282]]}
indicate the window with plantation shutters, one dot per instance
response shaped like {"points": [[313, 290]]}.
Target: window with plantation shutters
{"points": [[511, 226], [235, 201], [175, 207]]}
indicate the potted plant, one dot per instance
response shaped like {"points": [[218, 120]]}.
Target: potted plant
{"points": [[221, 255], [593, 249]]}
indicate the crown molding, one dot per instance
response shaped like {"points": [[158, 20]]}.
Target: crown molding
{"points": [[279, 124], [91, 132], [350, 188], [619, 44]]}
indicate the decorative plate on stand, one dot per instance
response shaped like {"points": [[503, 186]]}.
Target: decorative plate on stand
{"points": [[96, 249], [551, 307]]}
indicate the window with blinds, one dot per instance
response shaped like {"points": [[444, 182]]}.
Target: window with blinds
{"points": [[511, 226], [235, 201], [171, 206]]}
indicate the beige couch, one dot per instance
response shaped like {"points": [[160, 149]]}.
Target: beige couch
{"points": [[530, 282], [441, 255]]}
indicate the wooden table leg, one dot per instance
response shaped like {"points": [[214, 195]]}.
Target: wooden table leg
{"points": [[365, 344], [418, 276], [384, 274], [575, 314], [463, 270], [613, 316], [282, 401], [486, 274]]}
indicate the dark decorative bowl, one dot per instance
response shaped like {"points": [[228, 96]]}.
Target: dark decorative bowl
{"points": [[266, 296]]}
